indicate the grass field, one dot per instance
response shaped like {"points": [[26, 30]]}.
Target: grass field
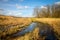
{"points": [[10, 25]]}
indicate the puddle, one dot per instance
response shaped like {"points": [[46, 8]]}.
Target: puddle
{"points": [[30, 28]]}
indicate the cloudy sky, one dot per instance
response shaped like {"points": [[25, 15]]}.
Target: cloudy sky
{"points": [[22, 8]]}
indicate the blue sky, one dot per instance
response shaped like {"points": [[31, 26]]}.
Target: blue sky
{"points": [[22, 8]]}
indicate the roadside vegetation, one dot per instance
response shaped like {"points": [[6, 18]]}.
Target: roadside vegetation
{"points": [[11, 25]]}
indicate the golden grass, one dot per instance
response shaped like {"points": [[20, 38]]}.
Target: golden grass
{"points": [[54, 22], [5, 21], [9, 25]]}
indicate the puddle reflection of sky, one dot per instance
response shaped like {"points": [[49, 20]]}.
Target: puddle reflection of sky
{"points": [[30, 28]]}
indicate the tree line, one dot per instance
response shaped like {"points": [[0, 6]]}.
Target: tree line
{"points": [[51, 11]]}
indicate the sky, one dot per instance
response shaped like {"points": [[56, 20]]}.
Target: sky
{"points": [[22, 8]]}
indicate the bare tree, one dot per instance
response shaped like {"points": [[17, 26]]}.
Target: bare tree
{"points": [[36, 13], [56, 11], [52, 11]]}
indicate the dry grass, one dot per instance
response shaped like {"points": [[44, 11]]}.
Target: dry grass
{"points": [[9, 25], [6, 21], [54, 22]]}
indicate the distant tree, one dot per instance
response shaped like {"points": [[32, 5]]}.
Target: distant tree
{"points": [[56, 11], [36, 13], [42, 12], [52, 11]]}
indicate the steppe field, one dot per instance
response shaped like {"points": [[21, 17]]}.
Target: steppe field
{"points": [[10, 25]]}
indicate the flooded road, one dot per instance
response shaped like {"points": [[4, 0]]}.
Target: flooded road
{"points": [[47, 31], [44, 30], [30, 28]]}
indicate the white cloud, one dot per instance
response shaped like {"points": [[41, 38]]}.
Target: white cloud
{"points": [[18, 6], [1, 11], [43, 7], [26, 6], [12, 13], [21, 7], [17, 13], [58, 3]]}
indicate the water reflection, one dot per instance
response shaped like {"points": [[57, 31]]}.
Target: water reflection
{"points": [[45, 30], [28, 29]]}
